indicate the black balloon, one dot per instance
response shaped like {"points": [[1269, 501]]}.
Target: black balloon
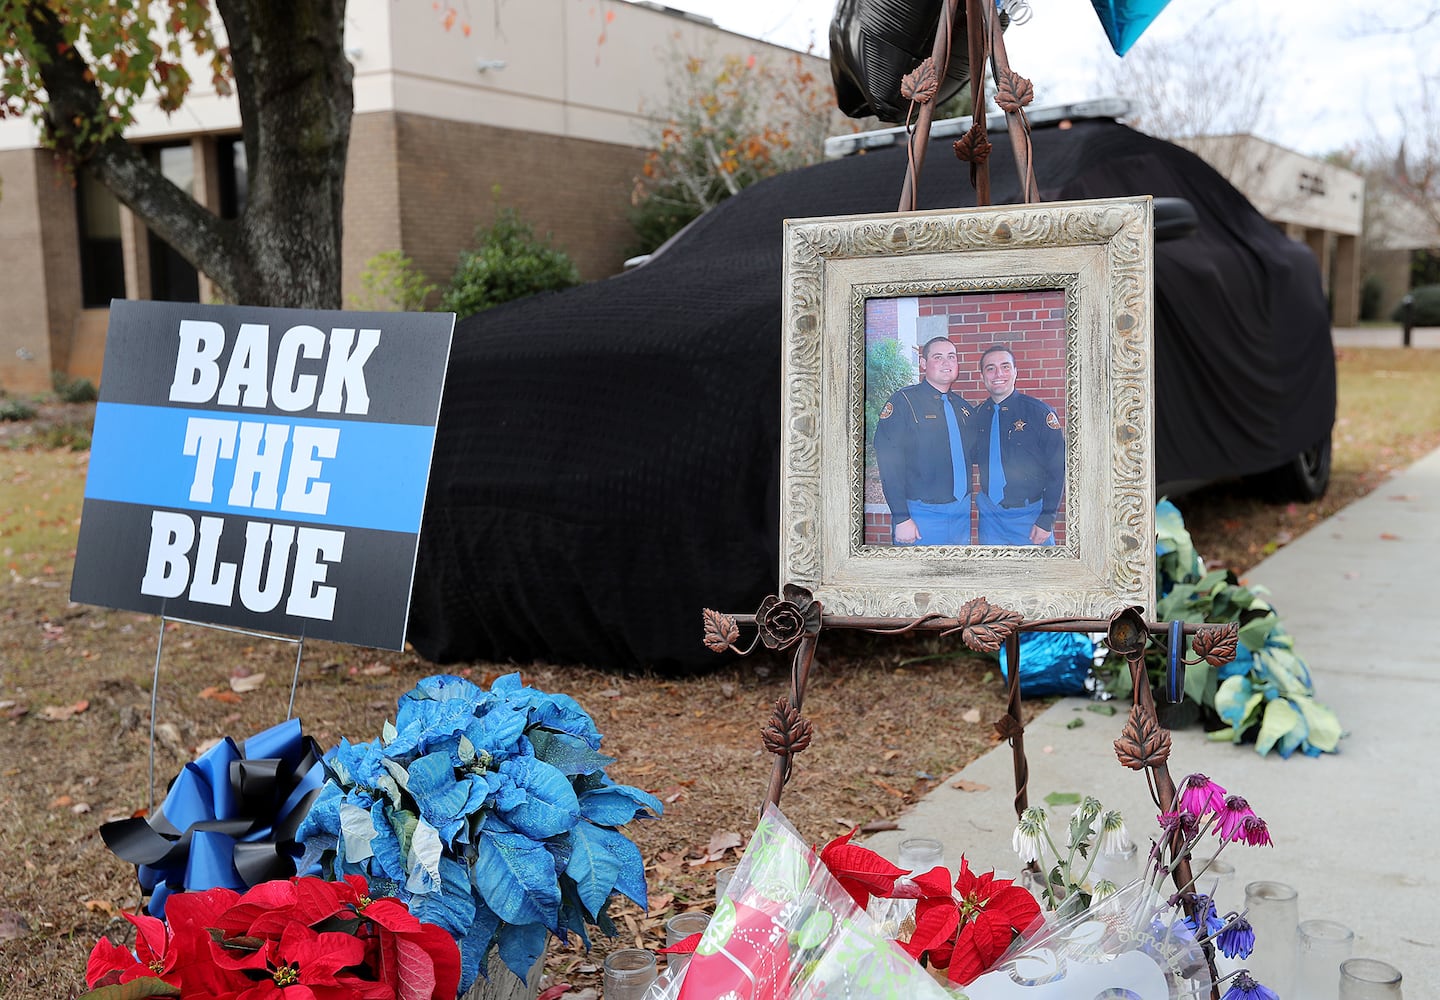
{"points": [[874, 43]]}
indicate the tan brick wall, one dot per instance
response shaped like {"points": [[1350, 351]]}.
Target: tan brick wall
{"points": [[575, 189], [372, 197], [413, 183], [60, 229], [25, 360]]}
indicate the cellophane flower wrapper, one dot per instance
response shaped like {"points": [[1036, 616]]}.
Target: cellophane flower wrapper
{"points": [[1132, 944], [787, 930]]}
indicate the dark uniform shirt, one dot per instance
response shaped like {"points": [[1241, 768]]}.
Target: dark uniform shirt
{"points": [[1032, 450], [912, 448]]}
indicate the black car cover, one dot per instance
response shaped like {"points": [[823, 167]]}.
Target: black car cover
{"points": [[606, 461]]}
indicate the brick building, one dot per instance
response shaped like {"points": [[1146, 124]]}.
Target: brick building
{"points": [[545, 99]]}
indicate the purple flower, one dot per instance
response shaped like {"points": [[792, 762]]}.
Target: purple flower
{"points": [[1245, 988], [1254, 832], [1206, 922], [1200, 795], [1233, 813], [1237, 940]]}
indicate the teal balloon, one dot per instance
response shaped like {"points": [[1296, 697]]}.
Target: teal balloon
{"points": [[1126, 20]]}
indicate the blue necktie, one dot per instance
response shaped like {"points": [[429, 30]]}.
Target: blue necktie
{"points": [[997, 468], [958, 464]]}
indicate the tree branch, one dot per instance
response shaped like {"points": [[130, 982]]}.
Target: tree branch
{"points": [[71, 120]]}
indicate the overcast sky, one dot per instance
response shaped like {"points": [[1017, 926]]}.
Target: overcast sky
{"points": [[1340, 79]]}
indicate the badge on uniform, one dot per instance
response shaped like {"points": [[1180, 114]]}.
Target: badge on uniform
{"points": [[886, 411], [1019, 425], [1052, 421]]}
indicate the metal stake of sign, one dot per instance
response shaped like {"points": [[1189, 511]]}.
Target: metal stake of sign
{"points": [[155, 678]]}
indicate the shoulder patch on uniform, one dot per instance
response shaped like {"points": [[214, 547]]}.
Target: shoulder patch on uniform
{"points": [[1052, 421], [886, 411]]}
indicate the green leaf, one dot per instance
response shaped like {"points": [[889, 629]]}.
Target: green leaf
{"points": [[424, 860], [1200, 681], [135, 989], [1279, 719], [1062, 799], [1101, 708], [1075, 723], [1325, 731], [1255, 632], [1236, 701], [357, 831]]}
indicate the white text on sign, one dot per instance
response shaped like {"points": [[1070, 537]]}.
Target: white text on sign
{"points": [[292, 388]]}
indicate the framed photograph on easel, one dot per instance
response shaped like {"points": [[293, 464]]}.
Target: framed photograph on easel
{"points": [[968, 410]]}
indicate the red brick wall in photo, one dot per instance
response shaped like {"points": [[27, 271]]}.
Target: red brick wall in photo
{"points": [[1030, 323]]}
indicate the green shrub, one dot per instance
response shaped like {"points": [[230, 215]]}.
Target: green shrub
{"points": [[14, 409], [1424, 307], [508, 262], [1372, 289], [76, 390], [65, 436], [390, 282], [888, 369]]}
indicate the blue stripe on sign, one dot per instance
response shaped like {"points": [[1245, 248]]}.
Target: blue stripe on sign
{"points": [[376, 478]]}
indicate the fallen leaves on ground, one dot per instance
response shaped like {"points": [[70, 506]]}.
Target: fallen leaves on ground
{"points": [[59, 713], [241, 683]]}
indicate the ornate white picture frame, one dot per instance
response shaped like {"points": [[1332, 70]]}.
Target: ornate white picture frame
{"points": [[1096, 257]]}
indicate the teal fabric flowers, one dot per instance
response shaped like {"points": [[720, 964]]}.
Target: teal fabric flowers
{"points": [[488, 813]]}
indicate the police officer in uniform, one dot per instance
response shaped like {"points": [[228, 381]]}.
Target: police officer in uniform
{"points": [[921, 446], [1020, 449]]}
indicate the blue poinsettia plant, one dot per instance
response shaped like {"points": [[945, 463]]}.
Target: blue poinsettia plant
{"points": [[487, 813]]}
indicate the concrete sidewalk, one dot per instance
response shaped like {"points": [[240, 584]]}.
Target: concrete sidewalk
{"points": [[1352, 830], [1383, 336]]}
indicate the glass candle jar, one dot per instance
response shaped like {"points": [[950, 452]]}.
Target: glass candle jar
{"points": [[722, 881], [1273, 910], [920, 854], [628, 974], [1369, 979], [1323, 945], [677, 929]]}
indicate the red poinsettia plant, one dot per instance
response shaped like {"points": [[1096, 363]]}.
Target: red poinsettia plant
{"points": [[963, 928], [294, 939]]}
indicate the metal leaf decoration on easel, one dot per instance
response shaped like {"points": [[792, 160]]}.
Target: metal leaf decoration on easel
{"points": [[983, 626], [1013, 92], [974, 145], [1216, 644], [789, 732], [721, 632], [921, 83], [1007, 728], [1143, 742]]}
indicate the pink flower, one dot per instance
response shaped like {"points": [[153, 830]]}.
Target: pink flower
{"points": [[1182, 822], [1254, 832], [1233, 813], [1200, 795]]}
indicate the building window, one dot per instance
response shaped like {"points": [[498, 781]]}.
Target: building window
{"points": [[172, 278], [102, 261], [234, 177]]}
